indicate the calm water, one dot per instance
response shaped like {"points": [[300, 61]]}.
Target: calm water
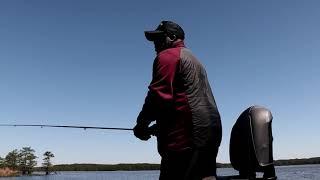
{"points": [[302, 172]]}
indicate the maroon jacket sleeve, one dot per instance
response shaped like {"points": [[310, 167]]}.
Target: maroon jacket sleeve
{"points": [[161, 88]]}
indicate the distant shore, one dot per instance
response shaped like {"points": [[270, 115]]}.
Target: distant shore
{"points": [[146, 166]]}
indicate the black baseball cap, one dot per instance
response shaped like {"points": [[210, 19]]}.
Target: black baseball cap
{"points": [[165, 28]]}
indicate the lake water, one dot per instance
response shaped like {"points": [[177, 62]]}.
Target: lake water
{"points": [[301, 172]]}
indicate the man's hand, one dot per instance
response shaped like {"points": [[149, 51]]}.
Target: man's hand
{"points": [[141, 132], [153, 130]]}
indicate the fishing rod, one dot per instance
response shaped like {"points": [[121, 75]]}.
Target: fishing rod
{"points": [[64, 126]]}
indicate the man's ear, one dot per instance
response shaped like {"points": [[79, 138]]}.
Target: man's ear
{"points": [[172, 37]]}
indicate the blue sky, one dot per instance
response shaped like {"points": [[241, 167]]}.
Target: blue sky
{"points": [[87, 63]]}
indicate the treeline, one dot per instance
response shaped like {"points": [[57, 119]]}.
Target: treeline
{"points": [[24, 161], [284, 162], [315, 160], [105, 167], [224, 165], [146, 166]]}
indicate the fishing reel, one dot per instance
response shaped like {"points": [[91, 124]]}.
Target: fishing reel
{"points": [[251, 144]]}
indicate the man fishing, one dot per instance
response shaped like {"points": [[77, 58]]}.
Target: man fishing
{"points": [[180, 100]]}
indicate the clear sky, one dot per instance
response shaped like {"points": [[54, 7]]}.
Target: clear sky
{"points": [[88, 63]]}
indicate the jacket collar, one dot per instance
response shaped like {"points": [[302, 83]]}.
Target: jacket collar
{"points": [[179, 43]]}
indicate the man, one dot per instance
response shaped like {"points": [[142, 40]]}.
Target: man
{"points": [[188, 126]]}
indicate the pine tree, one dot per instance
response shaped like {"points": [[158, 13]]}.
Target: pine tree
{"points": [[1, 162], [27, 160], [12, 159], [47, 161]]}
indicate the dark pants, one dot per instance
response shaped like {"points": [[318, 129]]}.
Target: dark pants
{"points": [[189, 164]]}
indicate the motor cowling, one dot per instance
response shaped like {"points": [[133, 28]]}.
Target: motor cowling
{"points": [[251, 143]]}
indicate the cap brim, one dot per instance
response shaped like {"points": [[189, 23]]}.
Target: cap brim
{"points": [[153, 35]]}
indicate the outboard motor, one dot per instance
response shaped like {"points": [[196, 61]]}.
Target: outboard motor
{"points": [[251, 144]]}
